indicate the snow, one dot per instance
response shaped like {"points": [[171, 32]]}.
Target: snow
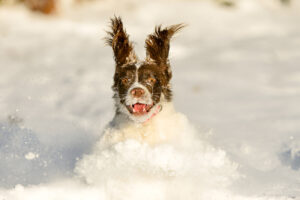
{"points": [[236, 78], [31, 156]]}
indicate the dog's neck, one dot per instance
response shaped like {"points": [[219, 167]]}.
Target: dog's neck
{"points": [[122, 118], [156, 111], [163, 127], [126, 117]]}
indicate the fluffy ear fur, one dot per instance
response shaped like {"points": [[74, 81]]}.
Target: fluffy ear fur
{"points": [[118, 39], [158, 43]]}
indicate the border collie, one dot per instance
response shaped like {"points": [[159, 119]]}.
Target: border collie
{"points": [[142, 90]]}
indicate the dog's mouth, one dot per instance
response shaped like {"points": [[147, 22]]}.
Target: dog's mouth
{"points": [[139, 108]]}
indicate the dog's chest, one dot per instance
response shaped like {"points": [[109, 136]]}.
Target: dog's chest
{"points": [[167, 126]]}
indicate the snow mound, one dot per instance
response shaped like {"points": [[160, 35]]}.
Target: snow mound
{"points": [[131, 169], [134, 170]]}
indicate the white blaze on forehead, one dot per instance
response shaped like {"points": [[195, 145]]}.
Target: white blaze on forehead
{"points": [[146, 98]]}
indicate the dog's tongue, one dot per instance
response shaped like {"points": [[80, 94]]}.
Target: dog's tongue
{"points": [[139, 108]]}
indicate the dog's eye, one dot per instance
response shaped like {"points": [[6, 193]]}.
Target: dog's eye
{"points": [[125, 80], [151, 80]]}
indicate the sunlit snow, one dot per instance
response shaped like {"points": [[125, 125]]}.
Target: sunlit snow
{"points": [[236, 78]]}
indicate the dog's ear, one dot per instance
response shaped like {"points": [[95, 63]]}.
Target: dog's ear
{"points": [[158, 44], [118, 39]]}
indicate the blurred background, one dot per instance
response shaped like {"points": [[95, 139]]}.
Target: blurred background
{"points": [[236, 77]]}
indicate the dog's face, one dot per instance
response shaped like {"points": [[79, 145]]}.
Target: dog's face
{"points": [[141, 86]]}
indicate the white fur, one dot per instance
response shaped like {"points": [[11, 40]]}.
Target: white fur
{"points": [[139, 64], [125, 114], [145, 99], [132, 58], [166, 126]]}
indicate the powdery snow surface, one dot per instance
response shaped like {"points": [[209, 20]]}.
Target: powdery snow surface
{"points": [[236, 78]]}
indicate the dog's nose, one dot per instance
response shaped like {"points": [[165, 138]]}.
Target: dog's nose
{"points": [[137, 92]]}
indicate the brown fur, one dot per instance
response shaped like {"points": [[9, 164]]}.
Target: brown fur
{"points": [[158, 46], [154, 73], [158, 43], [118, 39], [162, 81], [120, 86]]}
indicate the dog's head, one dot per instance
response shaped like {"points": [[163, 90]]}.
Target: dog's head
{"points": [[141, 86]]}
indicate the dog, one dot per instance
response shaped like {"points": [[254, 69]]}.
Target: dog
{"points": [[150, 151], [142, 89]]}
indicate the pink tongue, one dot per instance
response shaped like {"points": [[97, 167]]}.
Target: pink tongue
{"points": [[139, 107]]}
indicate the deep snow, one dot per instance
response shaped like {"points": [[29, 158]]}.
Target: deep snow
{"points": [[236, 77]]}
